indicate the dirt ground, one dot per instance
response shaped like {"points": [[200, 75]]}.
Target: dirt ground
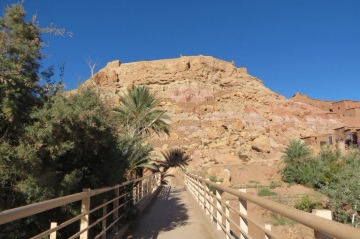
{"points": [[255, 176]]}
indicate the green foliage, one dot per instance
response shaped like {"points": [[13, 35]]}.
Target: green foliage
{"points": [[54, 144], [296, 152], [139, 113], [307, 204], [312, 172], [275, 184], [214, 179], [265, 192], [335, 176], [343, 190], [279, 220]]}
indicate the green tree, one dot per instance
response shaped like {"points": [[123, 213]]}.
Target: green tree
{"points": [[139, 113], [296, 152], [20, 57], [343, 190], [299, 167]]}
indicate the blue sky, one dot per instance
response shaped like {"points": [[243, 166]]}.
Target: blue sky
{"points": [[305, 46]]}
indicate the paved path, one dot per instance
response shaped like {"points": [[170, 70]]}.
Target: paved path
{"points": [[175, 215]]}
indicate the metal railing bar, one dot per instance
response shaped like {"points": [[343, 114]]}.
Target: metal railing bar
{"points": [[246, 235], [74, 219], [35, 208], [29, 210], [237, 226], [96, 222], [110, 225], [250, 219], [335, 229]]}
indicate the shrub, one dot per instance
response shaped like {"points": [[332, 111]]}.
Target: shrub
{"points": [[307, 204], [266, 192], [214, 179], [344, 189], [279, 220], [275, 184]]}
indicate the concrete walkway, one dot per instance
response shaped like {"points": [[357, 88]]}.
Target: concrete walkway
{"points": [[175, 215]]}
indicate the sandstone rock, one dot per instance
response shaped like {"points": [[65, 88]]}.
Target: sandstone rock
{"points": [[211, 101], [237, 126], [174, 136], [113, 64], [220, 173], [261, 144]]}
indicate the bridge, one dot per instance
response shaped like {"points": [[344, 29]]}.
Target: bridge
{"points": [[193, 208]]}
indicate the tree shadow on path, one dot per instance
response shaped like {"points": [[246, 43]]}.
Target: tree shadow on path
{"points": [[167, 213]]}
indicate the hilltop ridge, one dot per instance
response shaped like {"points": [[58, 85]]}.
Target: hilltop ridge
{"points": [[220, 113]]}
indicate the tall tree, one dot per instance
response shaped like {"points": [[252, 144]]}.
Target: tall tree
{"points": [[20, 56]]}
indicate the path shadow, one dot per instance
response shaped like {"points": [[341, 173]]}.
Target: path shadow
{"points": [[166, 213]]}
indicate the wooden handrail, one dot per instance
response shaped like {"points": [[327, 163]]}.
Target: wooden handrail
{"points": [[32, 209], [84, 197], [331, 228]]}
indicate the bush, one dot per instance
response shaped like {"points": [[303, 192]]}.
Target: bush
{"points": [[279, 220], [343, 190], [275, 184], [266, 192], [214, 179], [335, 176], [307, 204]]}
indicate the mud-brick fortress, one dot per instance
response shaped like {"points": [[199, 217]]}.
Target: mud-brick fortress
{"points": [[348, 111]]}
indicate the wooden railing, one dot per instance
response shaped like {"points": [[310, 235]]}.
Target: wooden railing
{"points": [[131, 192], [219, 212]]}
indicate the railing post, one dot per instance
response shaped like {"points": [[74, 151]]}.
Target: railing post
{"points": [[207, 198], [243, 209], [201, 194], [138, 192], [211, 206], [115, 205], [196, 190], [103, 223], [324, 214], [219, 209], [267, 226], [53, 234], [227, 223], [85, 208]]}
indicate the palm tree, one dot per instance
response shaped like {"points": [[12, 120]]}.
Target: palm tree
{"points": [[173, 158], [296, 152], [138, 155], [139, 115]]}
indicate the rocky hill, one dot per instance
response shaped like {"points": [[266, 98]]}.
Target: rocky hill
{"points": [[322, 104], [220, 113]]}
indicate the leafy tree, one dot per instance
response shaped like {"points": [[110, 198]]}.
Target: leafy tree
{"points": [[138, 112], [54, 143], [343, 190], [20, 57]]}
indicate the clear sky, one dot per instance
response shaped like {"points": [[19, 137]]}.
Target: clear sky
{"points": [[306, 46]]}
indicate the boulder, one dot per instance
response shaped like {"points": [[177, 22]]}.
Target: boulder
{"points": [[237, 126], [261, 144], [220, 174]]}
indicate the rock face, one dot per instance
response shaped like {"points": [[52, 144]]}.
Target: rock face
{"points": [[322, 104], [220, 113]]}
